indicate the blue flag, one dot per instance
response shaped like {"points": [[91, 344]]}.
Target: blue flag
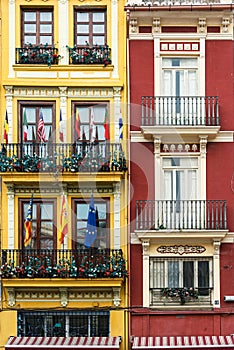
{"points": [[120, 128], [91, 230]]}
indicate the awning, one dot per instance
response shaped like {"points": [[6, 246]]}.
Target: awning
{"points": [[93, 343], [183, 342]]}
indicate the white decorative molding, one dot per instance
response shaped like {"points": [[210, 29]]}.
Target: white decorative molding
{"points": [[91, 92], [133, 25], [11, 296], [117, 110], [225, 24], [156, 25], [203, 143], [9, 108], [116, 299], [145, 246], [157, 146], [216, 264], [63, 108], [202, 25], [64, 298]]}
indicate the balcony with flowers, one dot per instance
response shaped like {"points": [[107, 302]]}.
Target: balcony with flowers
{"points": [[98, 54], [62, 158], [37, 54]]}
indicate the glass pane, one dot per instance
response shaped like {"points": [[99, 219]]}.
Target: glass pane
{"points": [[30, 16], [30, 28], [46, 211], [45, 16], [29, 39], [46, 229], [45, 28], [46, 40], [31, 115], [203, 273], [173, 274], [188, 274], [84, 114], [98, 40], [82, 211], [98, 28], [98, 17], [46, 244], [82, 28], [82, 40], [47, 114], [82, 17]]}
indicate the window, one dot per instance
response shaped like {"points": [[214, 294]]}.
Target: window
{"points": [[57, 323], [90, 27], [180, 176], [37, 26], [31, 112], [43, 219], [81, 208], [180, 76], [174, 273], [92, 122]]}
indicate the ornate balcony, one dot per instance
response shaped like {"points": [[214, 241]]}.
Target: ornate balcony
{"points": [[180, 111], [45, 263], [51, 157], [90, 54], [37, 54], [180, 215]]}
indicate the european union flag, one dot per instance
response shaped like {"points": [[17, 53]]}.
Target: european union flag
{"points": [[91, 230]]}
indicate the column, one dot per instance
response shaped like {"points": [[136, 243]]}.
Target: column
{"points": [[115, 40], [63, 107], [116, 212], [11, 217], [116, 111], [9, 108], [63, 38], [145, 285], [203, 143], [216, 272]]}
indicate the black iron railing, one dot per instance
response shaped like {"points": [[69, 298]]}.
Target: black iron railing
{"points": [[180, 111], [183, 296], [184, 214], [52, 263], [50, 157], [98, 54], [37, 54]]}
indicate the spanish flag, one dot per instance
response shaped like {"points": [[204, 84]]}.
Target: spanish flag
{"points": [[63, 220], [6, 129], [77, 124], [28, 224]]}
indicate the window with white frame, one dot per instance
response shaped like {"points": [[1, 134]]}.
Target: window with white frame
{"points": [[181, 273]]}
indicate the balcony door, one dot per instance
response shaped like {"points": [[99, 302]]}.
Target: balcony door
{"points": [[180, 191], [180, 89]]}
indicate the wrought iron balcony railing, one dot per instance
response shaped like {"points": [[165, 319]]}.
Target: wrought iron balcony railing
{"points": [[37, 54], [98, 54], [51, 157], [48, 263], [180, 111], [183, 296], [179, 215]]}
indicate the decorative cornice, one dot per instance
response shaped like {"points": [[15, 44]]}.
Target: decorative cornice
{"points": [[181, 249]]}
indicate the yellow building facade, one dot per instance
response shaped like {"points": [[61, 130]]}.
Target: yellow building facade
{"points": [[64, 171]]}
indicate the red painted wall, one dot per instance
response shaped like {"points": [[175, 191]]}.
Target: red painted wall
{"points": [[141, 62], [136, 275], [219, 78], [220, 169], [142, 179], [181, 324]]}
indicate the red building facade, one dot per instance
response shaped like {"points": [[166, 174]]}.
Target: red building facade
{"points": [[181, 65]]}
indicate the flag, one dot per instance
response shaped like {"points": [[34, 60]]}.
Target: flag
{"points": [[41, 128], [106, 126], [61, 137], [91, 230], [63, 230], [91, 130], [25, 125], [120, 128], [77, 124], [6, 129], [28, 224]]}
